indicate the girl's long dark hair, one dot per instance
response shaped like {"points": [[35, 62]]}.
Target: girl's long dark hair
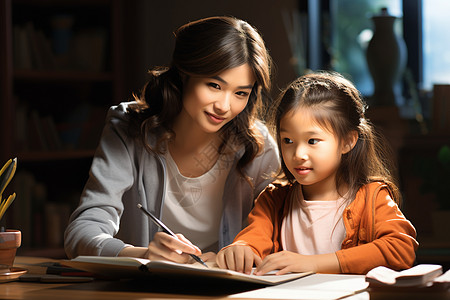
{"points": [[205, 48], [338, 106]]}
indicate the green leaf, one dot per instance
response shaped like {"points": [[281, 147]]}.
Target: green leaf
{"points": [[444, 155]]}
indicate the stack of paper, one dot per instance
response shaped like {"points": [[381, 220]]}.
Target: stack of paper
{"points": [[421, 276]]}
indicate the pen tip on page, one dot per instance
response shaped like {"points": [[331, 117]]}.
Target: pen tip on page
{"points": [[139, 205]]}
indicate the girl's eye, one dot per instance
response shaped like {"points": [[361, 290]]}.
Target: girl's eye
{"points": [[287, 141], [214, 85], [313, 141]]}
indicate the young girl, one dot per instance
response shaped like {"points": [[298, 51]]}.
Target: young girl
{"points": [[338, 212], [190, 149]]}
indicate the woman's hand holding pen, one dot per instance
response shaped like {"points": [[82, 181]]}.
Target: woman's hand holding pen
{"points": [[166, 247], [175, 251]]}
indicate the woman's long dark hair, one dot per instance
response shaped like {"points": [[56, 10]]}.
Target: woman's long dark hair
{"points": [[337, 105], [205, 48]]}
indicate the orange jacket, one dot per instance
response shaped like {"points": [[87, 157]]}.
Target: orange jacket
{"points": [[377, 233]]}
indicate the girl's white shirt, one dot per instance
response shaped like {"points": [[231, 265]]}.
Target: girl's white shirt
{"points": [[193, 205], [313, 227]]}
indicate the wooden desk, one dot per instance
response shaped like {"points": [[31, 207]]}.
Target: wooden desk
{"points": [[100, 290], [159, 289]]}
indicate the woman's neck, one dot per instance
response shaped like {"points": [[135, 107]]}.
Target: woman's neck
{"points": [[191, 138], [194, 151]]}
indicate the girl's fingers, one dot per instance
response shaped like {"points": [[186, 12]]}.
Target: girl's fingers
{"points": [[220, 260], [268, 264], [257, 260], [250, 259], [283, 271], [237, 258], [229, 259]]}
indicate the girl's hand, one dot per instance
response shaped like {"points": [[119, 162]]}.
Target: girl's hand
{"points": [[286, 261], [166, 247], [238, 258]]}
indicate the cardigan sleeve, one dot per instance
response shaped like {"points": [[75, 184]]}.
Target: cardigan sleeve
{"points": [[394, 242], [260, 234], [95, 222]]}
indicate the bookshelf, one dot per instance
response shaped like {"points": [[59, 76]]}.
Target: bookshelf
{"points": [[60, 70]]}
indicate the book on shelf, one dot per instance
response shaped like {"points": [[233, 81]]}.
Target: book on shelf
{"points": [[421, 276], [51, 134], [131, 267], [40, 55], [42, 133], [36, 133], [83, 50], [21, 46]]}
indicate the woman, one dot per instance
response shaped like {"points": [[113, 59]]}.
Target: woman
{"points": [[190, 149]]}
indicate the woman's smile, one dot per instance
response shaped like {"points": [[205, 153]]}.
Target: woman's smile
{"points": [[214, 118]]}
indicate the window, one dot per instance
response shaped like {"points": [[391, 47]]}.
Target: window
{"points": [[352, 29], [436, 44]]}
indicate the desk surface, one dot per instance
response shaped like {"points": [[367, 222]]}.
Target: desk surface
{"points": [[144, 289]]}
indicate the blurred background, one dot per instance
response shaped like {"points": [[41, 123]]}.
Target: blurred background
{"points": [[64, 62]]}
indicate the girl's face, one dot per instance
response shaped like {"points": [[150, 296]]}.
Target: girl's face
{"points": [[311, 153], [210, 103]]}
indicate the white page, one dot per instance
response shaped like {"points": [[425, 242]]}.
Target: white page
{"points": [[314, 287]]}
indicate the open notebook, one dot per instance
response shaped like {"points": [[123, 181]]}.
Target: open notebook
{"points": [[130, 267]]}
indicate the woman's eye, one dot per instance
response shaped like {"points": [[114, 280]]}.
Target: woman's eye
{"points": [[243, 94], [313, 141], [287, 141], [214, 85]]}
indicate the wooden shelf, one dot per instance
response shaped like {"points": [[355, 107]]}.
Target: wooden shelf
{"points": [[54, 155], [53, 105], [65, 3], [34, 75]]}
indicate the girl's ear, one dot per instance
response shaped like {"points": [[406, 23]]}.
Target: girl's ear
{"points": [[350, 142]]}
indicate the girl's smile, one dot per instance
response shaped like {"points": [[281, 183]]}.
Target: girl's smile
{"points": [[302, 170]]}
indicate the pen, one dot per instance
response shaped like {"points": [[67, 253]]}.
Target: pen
{"points": [[167, 230]]}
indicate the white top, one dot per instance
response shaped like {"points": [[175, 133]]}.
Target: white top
{"points": [[313, 227], [193, 205]]}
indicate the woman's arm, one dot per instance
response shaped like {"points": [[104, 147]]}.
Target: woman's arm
{"points": [[96, 220]]}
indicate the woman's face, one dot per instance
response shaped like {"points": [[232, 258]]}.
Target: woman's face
{"points": [[211, 102]]}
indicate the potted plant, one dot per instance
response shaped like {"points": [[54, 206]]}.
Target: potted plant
{"points": [[435, 174], [9, 239]]}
